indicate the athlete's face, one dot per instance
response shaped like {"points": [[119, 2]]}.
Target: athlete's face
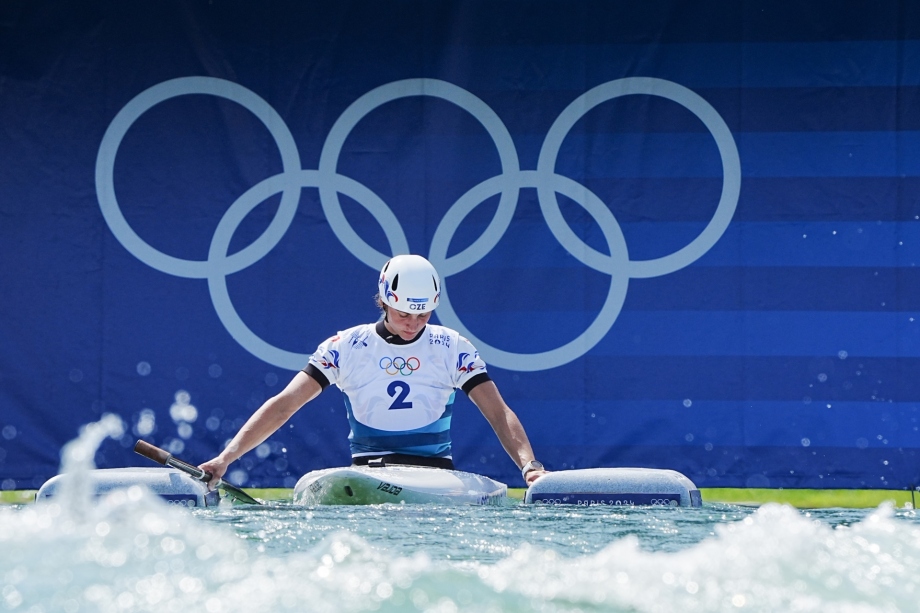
{"points": [[406, 325]]}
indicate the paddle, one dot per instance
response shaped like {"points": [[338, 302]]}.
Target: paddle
{"points": [[161, 456]]}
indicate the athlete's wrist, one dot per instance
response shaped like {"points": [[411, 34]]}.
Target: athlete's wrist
{"points": [[530, 467]]}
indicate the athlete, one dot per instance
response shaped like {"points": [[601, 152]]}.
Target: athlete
{"points": [[399, 377]]}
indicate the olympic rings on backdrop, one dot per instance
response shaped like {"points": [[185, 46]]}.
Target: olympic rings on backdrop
{"points": [[508, 184], [399, 366]]}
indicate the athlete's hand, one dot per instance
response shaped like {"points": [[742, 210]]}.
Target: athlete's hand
{"points": [[217, 468], [534, 475]]}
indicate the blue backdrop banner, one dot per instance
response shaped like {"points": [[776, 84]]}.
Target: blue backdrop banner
{"points": [[682, 235]]}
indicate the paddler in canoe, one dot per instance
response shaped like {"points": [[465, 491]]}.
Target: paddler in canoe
{"points": [[399, 377]]}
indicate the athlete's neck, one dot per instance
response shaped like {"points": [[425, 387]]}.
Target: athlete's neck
{"points": [[393, 338]]}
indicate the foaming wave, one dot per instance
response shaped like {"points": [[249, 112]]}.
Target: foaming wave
{"points": [[136, 553], [773, 560], [130, 551], [77, 460]]}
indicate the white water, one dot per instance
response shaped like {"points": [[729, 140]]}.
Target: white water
{"points": [[132, 552]]}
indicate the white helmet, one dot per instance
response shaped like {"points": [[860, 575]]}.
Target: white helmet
{"points": [[409, 283]]}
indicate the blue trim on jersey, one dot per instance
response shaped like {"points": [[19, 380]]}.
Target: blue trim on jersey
{"points": [[432, 440]]}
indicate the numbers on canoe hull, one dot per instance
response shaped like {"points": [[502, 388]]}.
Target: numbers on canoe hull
{"points": [[389, 488]]}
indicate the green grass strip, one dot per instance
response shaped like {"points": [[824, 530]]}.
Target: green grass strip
{"points": [[17, 496], [271, 493], [809, 499]]}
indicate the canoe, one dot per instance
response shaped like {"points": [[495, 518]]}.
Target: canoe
{"points": [[621, 487], [173, 486], [359, 485]]}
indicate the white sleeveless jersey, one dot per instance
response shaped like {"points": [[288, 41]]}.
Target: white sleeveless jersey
{"points": [[399, 397]]}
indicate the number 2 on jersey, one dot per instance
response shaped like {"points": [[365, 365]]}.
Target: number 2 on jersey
{"points": [[399, 390]]}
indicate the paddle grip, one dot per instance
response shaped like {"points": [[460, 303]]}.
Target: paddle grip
{"points": [[160, 456]]}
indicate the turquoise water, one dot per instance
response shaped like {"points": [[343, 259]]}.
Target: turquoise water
{"points": [[132, 552]]}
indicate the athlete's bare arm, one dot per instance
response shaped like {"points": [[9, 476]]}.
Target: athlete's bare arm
{"points": [[273, 414], [506, 424]]}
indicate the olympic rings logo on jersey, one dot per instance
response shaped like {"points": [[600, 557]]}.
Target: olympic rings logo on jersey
{"points": [[399, 366], [289, 183]]}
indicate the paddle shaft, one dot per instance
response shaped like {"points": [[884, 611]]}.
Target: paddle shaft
{"points": [[161, 456]]}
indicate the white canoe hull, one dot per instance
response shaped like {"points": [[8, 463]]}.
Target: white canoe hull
{"points": [[621, 487], [173, 486], [359, 485]]}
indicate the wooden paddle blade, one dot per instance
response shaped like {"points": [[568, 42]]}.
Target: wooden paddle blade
{"points": [[160, 456]]}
